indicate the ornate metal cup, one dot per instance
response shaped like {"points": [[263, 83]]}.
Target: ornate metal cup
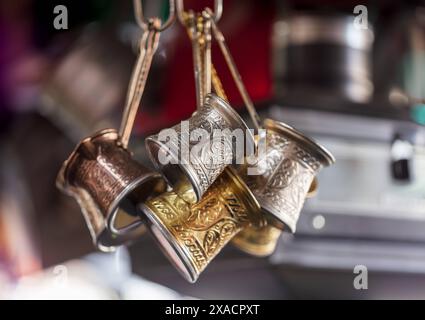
{"points": [[288, 169], [200, 163], [261, 241], [191, 235], [257, 241], [107, 183]]}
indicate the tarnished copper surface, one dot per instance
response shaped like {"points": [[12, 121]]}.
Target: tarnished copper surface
{"points": [[105, 180], [192, 235]]}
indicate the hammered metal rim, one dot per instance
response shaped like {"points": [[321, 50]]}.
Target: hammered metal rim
{"points": [[114, 207], [279, 222], [189, 271], [105, 240], [317, 149], [229, 112], [314, 188], [108, 241], [187, 171], [64, 181]]}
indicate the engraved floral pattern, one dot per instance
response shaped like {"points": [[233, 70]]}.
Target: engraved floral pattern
{"points": [[205, 228], [216, 154], [284, 175], [288, 172]]}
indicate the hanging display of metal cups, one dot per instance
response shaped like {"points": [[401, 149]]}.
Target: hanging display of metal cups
{"points": [[211, 197]]}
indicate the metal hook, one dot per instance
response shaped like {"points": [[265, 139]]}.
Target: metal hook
{"points": [[218, 10], [145, 24]]}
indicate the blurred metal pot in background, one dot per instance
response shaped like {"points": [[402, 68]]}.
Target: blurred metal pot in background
{"points": [[322, 57], [86, 86]]}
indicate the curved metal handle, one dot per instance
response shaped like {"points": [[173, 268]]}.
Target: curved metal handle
{"points": [[198, 27], [148, 46], [235, 73], [144, 23], [193, 32], [207, 23]]}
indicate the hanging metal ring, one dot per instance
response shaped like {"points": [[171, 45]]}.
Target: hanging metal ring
{"points": [[145, 23], [218, 10]]}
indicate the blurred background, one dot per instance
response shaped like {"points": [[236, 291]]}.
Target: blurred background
{"points": [[357, 90]]}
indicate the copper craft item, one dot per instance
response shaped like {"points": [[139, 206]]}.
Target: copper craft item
{"points": [[107, 183], [213, 197], [101, 173], [192, 235]]}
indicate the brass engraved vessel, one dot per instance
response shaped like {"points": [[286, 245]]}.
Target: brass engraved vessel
{"points": [[191, 235]]}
